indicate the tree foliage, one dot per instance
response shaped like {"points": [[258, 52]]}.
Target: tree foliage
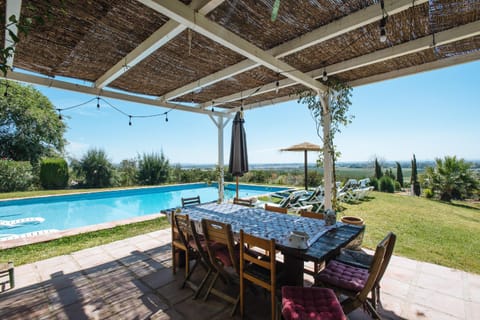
{"points": [[96, 169], [414, 178], [399, 177], [378, 169], [153, 169], [29, 126], [451, 179], [15, 175], [53, 173]]}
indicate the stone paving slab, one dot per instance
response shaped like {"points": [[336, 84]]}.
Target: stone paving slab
{"points": [[133, 279]]}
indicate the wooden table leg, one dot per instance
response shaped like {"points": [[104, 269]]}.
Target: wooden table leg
{"points": [[294, 270]]}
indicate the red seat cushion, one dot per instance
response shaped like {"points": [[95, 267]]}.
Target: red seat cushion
{"points": [[222, 254], [343, 276], [310, 303]]}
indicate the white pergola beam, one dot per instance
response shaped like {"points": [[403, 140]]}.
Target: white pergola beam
{"points": [[444, 63], [49, 82], [442, 38], [158, 39], [429, 66], [324, 33], [199, 23], [13, 8]]}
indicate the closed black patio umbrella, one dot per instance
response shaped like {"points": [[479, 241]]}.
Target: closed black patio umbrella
{"points": [[238, 164]]}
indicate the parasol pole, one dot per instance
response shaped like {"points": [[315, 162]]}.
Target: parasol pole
{"points": [[237, 187], [306, 180]]}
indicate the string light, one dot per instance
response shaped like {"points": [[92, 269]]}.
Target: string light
{"points": [[241, 108], [324, 76], [213, 109], [130, 116], [277, 85], [5, 94], [383, 23]]}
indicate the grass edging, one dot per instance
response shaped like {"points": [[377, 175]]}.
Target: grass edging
{"points": [[66, 245]]}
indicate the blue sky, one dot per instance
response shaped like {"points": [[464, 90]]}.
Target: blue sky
{"points": [[431, 114]]}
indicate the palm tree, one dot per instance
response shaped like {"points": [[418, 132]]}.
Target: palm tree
{"points": [[451, 178]]}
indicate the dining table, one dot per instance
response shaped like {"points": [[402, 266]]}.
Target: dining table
{"points": [[324, 241]]}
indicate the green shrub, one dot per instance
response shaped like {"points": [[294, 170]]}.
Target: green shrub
{"points": [[374, 184], [96, 168], [153, 169], [386, 184], [15, 176], [53, 173], [398, 187], [428, 193]]}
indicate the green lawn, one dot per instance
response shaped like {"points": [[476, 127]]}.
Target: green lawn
{"points": [[427, 230]]}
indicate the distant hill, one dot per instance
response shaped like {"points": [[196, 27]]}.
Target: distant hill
{"points": [[353, 164]]}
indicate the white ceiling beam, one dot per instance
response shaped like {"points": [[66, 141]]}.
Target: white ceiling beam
{"points": [[199, 23], [52, 83], [13, 8], [447, 62], [324, 33], [442, 38], [158, 39]]}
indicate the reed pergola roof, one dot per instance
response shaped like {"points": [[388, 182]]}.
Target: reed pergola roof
{"points": [[195, 55]]}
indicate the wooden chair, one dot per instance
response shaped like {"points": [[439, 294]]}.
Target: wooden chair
{"points": [[8, 269], [310, 303], [353, 282], [178, 244], [243, 202], [313, 215], [194, 250], [364, 260], [276, 209], [224, 258], [258, 269], [190, 201]]}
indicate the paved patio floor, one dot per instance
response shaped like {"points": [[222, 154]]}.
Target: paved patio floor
{"points": [[132, 279]]}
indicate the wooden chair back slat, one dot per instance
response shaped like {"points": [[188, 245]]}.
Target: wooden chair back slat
{"points": [[313, 215], [275, 209]]}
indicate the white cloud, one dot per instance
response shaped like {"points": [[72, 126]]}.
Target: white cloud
{"points": [[76, 149]]}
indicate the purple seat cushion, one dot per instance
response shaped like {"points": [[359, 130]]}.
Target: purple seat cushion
{"points": [[310, 303], [343, 276]]}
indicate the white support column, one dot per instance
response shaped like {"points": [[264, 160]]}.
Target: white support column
{"points": [[327, 154], [220, 123]]}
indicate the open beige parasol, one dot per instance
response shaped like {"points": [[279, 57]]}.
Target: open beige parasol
{"points": [[305, 147]]}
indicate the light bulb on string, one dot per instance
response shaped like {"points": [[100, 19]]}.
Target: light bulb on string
{"points": [[166, 117], [5, 94], [59, 114], [213, 109], [129, 120], [325, 75], [98, 103], [241, 108]]}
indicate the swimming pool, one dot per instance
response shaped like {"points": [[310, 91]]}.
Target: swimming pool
{"points": [[33, 216]]}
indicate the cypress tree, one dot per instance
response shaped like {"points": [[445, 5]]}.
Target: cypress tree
{"points": [[414, 178], [378, 170], [399, 174]]}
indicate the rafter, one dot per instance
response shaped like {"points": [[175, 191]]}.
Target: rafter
{"points": [[447, 62], [52, 83], [324, 33], [442, 38], [199, 23], [12, 9], [159, 38]]}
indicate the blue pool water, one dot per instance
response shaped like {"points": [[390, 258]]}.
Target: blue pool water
{"points": [[78, 210]]}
